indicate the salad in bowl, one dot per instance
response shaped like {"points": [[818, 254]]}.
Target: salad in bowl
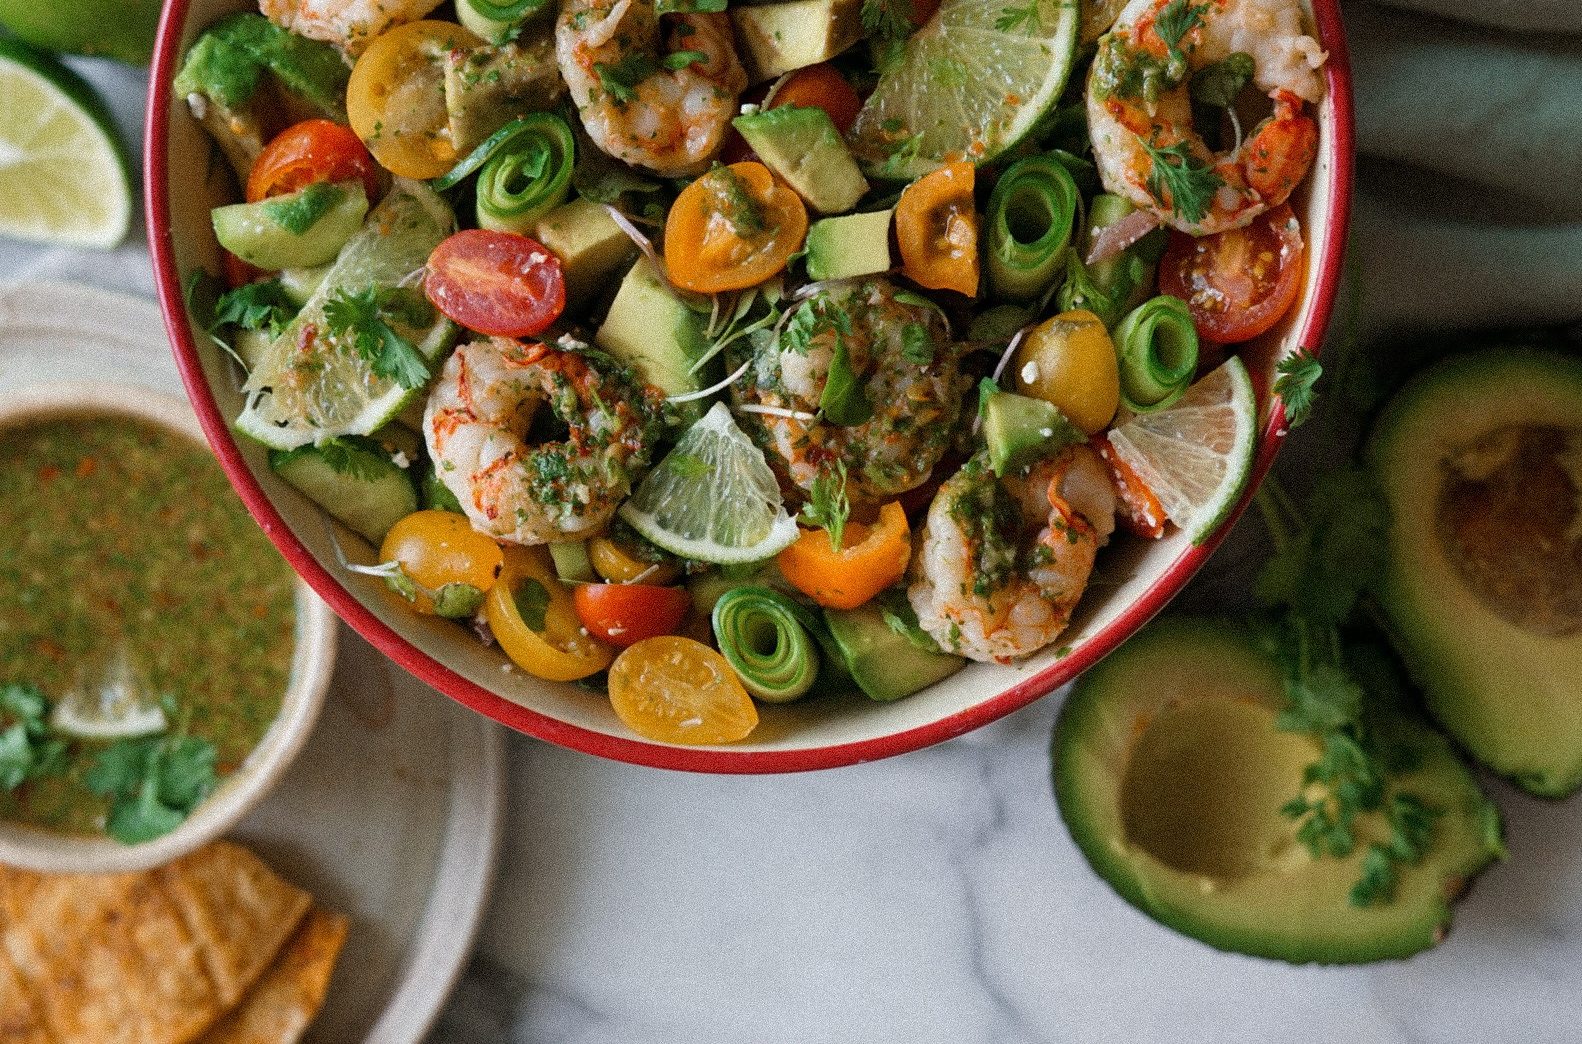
{"points": [[747, 387]]}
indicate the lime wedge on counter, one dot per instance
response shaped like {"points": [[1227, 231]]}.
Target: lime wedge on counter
{"points": [[64, 178], [1195, 455], [970, 84], [119, 29], [713, 497]]}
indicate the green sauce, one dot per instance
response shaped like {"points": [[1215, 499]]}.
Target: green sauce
{"points": [[122, 544]]}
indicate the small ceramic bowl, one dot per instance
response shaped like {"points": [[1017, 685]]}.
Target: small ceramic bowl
{"points": [[47, 851], [1139, 577]]}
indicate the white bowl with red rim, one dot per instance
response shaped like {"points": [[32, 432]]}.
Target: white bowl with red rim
{"points": [[1141, 577]]}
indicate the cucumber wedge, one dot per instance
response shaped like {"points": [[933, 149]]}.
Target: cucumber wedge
{"points": [[353, 479]]}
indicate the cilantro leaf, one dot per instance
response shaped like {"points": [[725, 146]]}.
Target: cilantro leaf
{"points": [[844, 401], [1175, 21], [153, 783], [917, 346], [1181, 180], [254, 306], [800, 329], [828, 505], [360, 318], [1028, 18], [1298, 374], [682, 59], [888, 24], [620, 79]]}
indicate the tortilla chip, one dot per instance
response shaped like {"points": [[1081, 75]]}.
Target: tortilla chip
{"points": [[240, 912], [20, 1021], [109, 960], [286, 1000]]}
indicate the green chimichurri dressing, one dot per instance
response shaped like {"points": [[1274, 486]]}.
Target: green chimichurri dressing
{"points": [[123, 552]]}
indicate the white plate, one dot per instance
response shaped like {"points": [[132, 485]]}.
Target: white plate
{"points": [[392, 813]]}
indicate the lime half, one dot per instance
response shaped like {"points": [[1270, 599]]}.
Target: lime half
{"points": [[713, 497], [970, 84], [63, 177], [1196, 454], [116, 708]]}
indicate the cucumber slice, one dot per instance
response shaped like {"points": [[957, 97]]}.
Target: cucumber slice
{"points": [[300, 229], [353, 479], [572, 563]]}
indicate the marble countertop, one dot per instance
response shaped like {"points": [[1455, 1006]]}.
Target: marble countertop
{"points": [[933, 897]]}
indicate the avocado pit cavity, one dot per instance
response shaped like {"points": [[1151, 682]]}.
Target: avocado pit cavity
{"points": [[1509, 521], [1204, 784]]}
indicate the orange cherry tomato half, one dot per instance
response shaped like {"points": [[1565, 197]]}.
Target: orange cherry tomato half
{"points": [[438, 548], [936, 227], [530, 614], [625, 614], [677, 690], [871, 558], [732, 228], [821, 87], [310, 151], [497, 283], [1240, 282]]}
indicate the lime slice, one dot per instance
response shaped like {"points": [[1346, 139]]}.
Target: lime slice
{"points": [[64, 179], [118, 708], [1195, 454], [970, 84], [310, 385], [713, 497], [119, 29]]}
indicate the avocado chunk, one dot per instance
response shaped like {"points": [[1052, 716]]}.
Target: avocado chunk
{"points": [[590, 245], [245, 78], [1020, 430], [487, 87], [777, 38], [1480, 459], [1170, 771], [885, 664], [849, 246], [653, 331], [301, 229], [801, 144]]}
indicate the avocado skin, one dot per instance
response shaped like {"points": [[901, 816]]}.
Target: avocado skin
{"points": [[1468, 663], [1220, 647]]}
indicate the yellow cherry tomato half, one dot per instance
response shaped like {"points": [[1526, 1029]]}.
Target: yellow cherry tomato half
{"points": [[1069, 360], [436, 549], [676, 690], [871, 558], [530, 612], [732, 228], [395, 99], [936, 229], [620, 564]]}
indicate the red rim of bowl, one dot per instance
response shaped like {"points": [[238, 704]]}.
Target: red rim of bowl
{"points": [[640, 752]]}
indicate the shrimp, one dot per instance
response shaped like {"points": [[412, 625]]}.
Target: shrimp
{"points": [[634, 104], [349, 24], [1140, 109], [478, 423], [1003, 561], [892, 355]]}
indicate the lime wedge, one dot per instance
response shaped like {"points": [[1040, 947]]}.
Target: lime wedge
{"points": [[310, 385], [1195, 455], [713, 497], [64, 179], [117, 708], [970, 84]]}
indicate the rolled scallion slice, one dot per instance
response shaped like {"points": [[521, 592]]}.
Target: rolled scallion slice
{"points": [[1157, 344], [762, 635], [1032, 213], [526, 174], [494, 20]]}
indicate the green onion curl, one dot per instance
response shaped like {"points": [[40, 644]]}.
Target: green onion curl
{"points": [[1157, 344], [762, 635], [1032, 213], [524, 172]]}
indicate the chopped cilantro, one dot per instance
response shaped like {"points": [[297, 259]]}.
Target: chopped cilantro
{"points": [[1181, 180], [682, 59], [917, 345], [153, 783], [828, 505], [360, 318], [254, 306], [1220, 83], [620, 79], [1175, 21], [1298, 374]]}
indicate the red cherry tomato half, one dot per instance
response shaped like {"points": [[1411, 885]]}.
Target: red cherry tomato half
{"points": [[625, 614], [313, 150], [497, 283], [1240, 282]]}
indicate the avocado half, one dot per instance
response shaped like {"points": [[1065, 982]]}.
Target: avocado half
{"points": [[1480, 459], [1170, 774]]}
